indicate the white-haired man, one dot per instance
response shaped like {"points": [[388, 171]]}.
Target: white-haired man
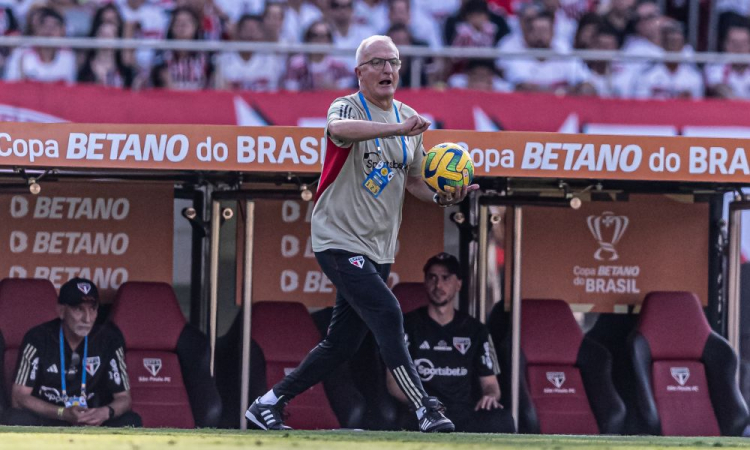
{"points": [[373, 153]]}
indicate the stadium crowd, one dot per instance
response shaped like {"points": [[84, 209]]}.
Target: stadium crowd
{"points": [[634, 27]]}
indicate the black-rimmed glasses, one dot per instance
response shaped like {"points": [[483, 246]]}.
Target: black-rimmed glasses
{"points": [[378, 63]]}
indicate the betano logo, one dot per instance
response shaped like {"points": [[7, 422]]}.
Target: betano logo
{"points": [[607, 239]]}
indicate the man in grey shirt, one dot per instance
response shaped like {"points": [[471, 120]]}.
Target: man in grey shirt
{"points": [[373, 153]]}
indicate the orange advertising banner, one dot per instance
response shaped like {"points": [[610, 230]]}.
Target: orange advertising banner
{"points": [[296, 149], [606, 256], [109, 233], [284, 266]]}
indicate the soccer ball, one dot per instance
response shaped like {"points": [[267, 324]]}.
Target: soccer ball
{"points": [[447, 164]]}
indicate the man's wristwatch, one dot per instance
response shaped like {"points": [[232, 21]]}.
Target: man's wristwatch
{"points": [[111, 411], [436, 199]]}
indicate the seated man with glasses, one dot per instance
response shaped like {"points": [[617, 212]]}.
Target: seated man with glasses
{"points": [[71, 372]]}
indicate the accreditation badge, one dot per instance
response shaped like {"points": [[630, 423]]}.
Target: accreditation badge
{"points": [[378, 179], [76, 401]]}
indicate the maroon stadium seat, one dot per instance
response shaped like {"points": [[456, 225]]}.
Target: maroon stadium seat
{"points": [[411, 295], [566, 383], [286, 333], [685, 372], [24, 304], [167, 359]]}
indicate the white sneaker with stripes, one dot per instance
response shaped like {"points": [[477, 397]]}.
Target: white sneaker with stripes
{"points": [[267, 417]]}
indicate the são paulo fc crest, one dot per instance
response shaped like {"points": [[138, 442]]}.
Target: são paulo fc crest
{"points": [[462, 344], [92, 364], [358, 261], [556, 378], [153, 365], [680, 374], [84, 287]]}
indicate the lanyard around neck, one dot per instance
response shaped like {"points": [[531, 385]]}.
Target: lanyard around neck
{"points": [[398, 120], [83, 364]]}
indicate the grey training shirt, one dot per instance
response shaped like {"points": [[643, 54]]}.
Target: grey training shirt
{"points": [[346, 215]]}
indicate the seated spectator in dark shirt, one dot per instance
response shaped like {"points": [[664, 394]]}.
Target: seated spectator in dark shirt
{"points": [[317, 71], [180, 69], [106, 66], [454, 355], [70, 371]]}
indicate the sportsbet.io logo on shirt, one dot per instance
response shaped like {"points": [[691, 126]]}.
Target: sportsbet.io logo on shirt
{"points": [[427, 370], [371, 159]]}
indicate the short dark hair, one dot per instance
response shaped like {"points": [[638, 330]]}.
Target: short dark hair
{"points": [[46, 11], [475, 6], [446, 260], [395, 28], [249, 17], [308, 31], [480, 63]]}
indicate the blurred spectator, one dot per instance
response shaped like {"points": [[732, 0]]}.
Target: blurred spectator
{"points": [[317, 71], [248, 70], [372, 13], [107, 67], [77, 17], [181, 69], [564, 25], [645, 40], [588, 27], [298, 17], [8, 26], [520, 25], [346, 34], [8, 22], [480, 75], [20, 8], [731, 80], [437, 11], [619, 15], [212, 21], [667, 80], [273, 20], [646, 37], [233, 10], [422, 29], [47, 64], [540, 75], [401, 37], [609, 79], [475, 26], [143, 20]]}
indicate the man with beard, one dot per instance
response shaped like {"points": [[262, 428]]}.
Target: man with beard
{"points": [[454, 355], [70, 371]]}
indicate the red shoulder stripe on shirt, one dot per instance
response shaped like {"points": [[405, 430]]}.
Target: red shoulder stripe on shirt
{"points": [[334, 162]]}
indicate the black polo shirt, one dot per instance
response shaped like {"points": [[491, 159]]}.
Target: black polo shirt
{"points": [[38, 365], [450, 359]]}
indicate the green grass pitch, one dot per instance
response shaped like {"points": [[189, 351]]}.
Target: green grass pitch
{"points": [[18, 438]]}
